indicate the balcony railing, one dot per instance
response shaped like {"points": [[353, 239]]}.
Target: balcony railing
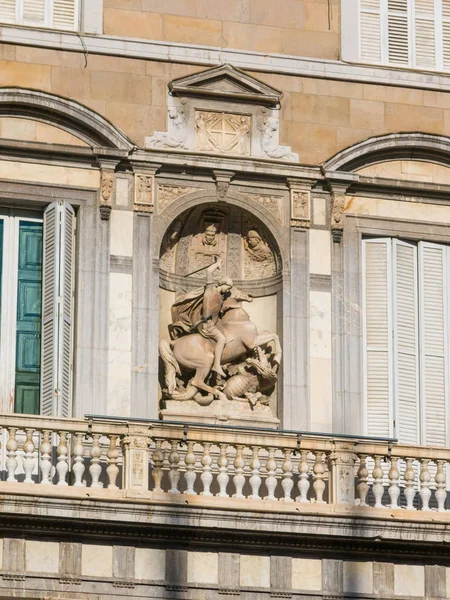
{"points": [[160, 461]]}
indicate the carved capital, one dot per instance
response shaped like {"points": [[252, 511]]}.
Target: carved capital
{"points": [[338, 191], [223, 179], [106, 190]]}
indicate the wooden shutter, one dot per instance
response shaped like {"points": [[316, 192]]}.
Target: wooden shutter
{"points": [[65, 14], [34, 12], [370, 30], [57, 309], [398, 32], [406, 355], [378, 336], [446, 34], [433, 308], [424, 34], [8, 11]]}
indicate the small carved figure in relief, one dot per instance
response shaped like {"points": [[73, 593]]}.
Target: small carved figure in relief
{"points": [[175, 136], [268, 127], [206, 247], [259, 260]]}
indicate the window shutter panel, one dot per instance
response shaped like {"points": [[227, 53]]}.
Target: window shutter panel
{"points": [[57, 309], [406, 342], [446, 34], [65, 14], [34, 12], [433, 342], [8, 11], [377, 332], [370, 30], [398, 35], [424, 34]]}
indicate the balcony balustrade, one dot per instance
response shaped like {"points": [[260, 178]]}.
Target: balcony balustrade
{"points": [[162, 461]]}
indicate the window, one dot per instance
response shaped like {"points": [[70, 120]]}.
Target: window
{"points": [[56, 14], [406, 345], [404, 33], [36, 308]]}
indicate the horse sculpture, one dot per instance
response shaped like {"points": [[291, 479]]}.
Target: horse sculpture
{"points": [[194, 352]]}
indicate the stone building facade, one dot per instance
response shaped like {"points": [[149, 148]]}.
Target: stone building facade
{"points": [[299, 149]]}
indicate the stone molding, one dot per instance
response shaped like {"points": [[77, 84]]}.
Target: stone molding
{"points": [[211, 56]]}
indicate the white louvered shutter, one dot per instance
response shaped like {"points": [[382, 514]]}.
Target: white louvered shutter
{"points": [[8, 11], [34, 12], [57, 309], [446, 34], [65, 14], [433, 308], [378, 336], [424, 34], [370, 30], [398, 32], [406, 354]]}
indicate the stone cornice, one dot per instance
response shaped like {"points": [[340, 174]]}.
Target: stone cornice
{"points": [[98, 515], [212, 56]]}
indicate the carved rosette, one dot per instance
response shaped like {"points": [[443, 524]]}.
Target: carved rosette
{"points": [[106, 189], [143, 192], [169, 193]]}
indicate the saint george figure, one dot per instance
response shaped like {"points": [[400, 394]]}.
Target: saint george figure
{"points": [[201, 310]]}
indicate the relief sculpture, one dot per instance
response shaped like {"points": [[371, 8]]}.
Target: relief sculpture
{"points": [[213, 337], [213, 354]]}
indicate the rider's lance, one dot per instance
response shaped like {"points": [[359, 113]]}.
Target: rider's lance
{"points": [[202, 268]]}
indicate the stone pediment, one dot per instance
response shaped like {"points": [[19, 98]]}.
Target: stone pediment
{"points": [[226, 83]]}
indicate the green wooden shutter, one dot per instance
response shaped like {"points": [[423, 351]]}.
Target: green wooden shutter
{"points": [[433, 307], [28, 320], [406, 352], [57, 311], [377, 315]]}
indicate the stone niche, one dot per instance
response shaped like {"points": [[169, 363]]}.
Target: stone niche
{"points": [[248, 255]]}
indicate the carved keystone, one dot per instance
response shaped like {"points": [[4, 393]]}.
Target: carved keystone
{"points": [[223, 179]]}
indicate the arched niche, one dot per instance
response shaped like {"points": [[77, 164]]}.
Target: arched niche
{"points": [[250, 256]]}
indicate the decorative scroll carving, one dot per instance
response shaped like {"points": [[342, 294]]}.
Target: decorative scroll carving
{"points": [[225, 133], [175, 136], [143, 193], [271, 203], [337, 213], [269, 130], [106, 188], [168, 193]]}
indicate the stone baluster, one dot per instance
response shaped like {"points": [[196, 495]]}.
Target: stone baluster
{"points": [[425, 478], [409, 478], [255, 478], [363, 474], [78, 460], [28, 463], [158, 461], [112, 470], [190, 475], [318, 478], [394, 489], [223, 478], [62, 465], [440, 479], [174, 473], [239, 477], [46, 457], [95, 468], [206, 476], [287, 483], [11, 461], [378, 488], [271, 480], [303, 482]]}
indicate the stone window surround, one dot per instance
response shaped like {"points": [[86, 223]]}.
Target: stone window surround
{"points": [[347, 348], [91, 280]]}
